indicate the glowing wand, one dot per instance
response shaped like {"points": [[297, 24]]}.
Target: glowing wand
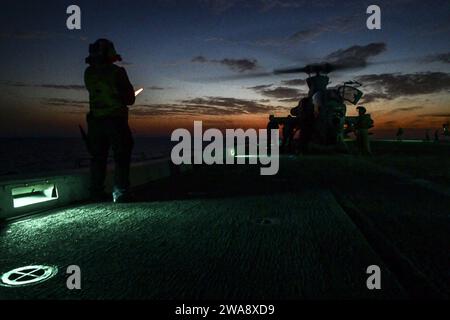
{"points": [[138, 92]]}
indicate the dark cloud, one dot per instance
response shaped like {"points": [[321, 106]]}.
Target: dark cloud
{"points": [[284, 4], [339, 24], [391, 123], [32, 35], [156, 88], [390, 86], [239, 65], [221, 6], [213, 106], [294, 99], [62, 87], [282, 93], [229, 105], [356, 56], [310, 33], [46, 86], [40, 35], [373, 96], [437, 115], [158, 110], [66, 103], [294, 82], [406, 109], [200, 59], [260, 87], [125, 63], [440, 57], [14, 84]]}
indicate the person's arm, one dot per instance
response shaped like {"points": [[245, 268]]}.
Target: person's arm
{"points": [[125, 88], [86, 79]]}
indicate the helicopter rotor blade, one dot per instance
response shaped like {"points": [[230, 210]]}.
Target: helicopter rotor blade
{"points": [[289, 70], [311, 68]]}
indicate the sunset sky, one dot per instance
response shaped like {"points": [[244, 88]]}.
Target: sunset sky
{"points": [[190, 56]]}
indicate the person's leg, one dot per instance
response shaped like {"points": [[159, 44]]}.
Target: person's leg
{"points": [[305, 138], [359, 142], [122, 145], [283, 142], [341, 144], [98, 147], [366, 143], [269, 141], [291, 142]]}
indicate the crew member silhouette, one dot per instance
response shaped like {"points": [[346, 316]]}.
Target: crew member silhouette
{"points": [[363, 123], [110, 92]]}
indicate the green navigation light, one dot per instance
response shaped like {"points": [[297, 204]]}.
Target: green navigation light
{"points": [[29, 275], [34, 193], [249, 156]]}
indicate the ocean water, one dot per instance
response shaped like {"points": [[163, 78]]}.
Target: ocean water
{"points": [[34, 155]]}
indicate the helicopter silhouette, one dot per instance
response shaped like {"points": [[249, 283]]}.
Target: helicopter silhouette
{"points": [[322, 113]]}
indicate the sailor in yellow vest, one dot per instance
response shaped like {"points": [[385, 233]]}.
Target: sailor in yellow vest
{"points": [[362, 126], [110, 92]]}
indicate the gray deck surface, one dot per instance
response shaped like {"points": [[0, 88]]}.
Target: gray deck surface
{"points": [[228, 233]]}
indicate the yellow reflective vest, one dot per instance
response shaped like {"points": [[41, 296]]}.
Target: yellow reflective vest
{"points": [[110, 91]]}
